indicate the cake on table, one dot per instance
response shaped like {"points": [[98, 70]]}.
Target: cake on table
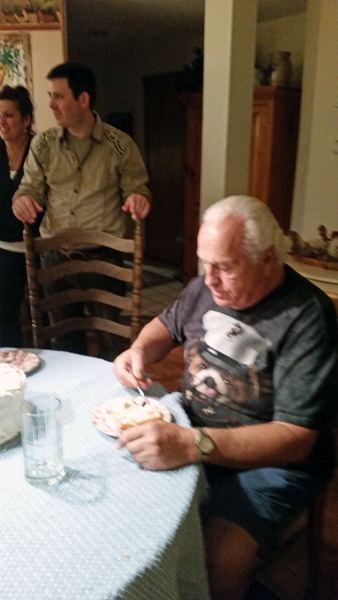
{"points": [[12, 386]]}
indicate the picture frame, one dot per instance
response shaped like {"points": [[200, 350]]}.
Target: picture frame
{"points": [[30, 14], [15, 60]]}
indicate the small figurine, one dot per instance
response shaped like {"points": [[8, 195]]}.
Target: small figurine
{"points": [[333, 245], [321, 241]]}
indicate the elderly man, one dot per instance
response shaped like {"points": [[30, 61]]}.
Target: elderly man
{"points": [[85, 174], [259, 387]]}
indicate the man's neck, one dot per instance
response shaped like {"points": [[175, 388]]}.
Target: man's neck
{"points": [[85, 128]]}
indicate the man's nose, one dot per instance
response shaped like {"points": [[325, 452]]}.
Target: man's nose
{"points": [[211, 275], [51, 103]]}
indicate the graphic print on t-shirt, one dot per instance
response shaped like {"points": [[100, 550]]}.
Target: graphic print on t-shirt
{"points": [[222, 381]]}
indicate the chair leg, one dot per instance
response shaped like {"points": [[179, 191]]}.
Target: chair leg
{"points": [[315, 529], [92, 344], [26, 322]]}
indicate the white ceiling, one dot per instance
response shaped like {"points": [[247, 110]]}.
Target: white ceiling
{"points": [[123, 25]]}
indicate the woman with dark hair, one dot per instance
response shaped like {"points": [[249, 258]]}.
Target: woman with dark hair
{"points": [[16, 118]]}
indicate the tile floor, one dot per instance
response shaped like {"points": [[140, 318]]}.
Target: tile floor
{"points": [[156, 298]]}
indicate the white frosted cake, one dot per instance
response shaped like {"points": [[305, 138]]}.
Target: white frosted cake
{"points": [[12, 386]]}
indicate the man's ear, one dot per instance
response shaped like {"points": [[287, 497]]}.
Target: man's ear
{"points": [[269, 257], [84, 100]]}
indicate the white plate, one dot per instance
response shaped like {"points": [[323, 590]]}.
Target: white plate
{"points": [[26, 361], [100, 413]]}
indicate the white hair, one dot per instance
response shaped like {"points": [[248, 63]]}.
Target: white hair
{"points": [[261, 228]]}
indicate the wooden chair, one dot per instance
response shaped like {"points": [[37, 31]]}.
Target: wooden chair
{"points": [[334, 298], [72, 240], [26, 321], [311, 524]]}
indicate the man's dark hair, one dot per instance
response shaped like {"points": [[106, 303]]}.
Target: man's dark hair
{"points": [[80, 79]]}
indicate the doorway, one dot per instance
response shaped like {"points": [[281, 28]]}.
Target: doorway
{"points": [[164, 126]]}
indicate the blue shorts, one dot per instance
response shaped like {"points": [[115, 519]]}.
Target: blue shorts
{"points": [[261, 501]]}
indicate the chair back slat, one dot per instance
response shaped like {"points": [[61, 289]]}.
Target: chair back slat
{"points": [[85, 324], [73, 267], [75, 239], [91, 295]]}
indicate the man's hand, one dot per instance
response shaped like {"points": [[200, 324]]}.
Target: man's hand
{"points": [[129, 366], [26, 209], [159, 446], [137, 205]]}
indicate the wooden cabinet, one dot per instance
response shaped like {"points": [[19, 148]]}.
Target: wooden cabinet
{"points": [[274, 137]]}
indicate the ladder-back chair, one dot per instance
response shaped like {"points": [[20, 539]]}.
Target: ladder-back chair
{"points": [[73, 241]]}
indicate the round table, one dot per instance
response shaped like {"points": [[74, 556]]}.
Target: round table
{"points": [[110, 529]]}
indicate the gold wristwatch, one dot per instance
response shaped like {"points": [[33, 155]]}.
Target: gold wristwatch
{"points": [[204, 443]]}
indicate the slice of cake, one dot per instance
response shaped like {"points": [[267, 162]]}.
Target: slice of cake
{"points": [[126, 413], [12, 386]]}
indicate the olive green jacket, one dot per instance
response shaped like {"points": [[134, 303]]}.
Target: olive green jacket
{"points": [[88, 194]]}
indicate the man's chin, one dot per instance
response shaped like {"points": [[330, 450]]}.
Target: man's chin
{"points": [[58, 119], [221, 299]]}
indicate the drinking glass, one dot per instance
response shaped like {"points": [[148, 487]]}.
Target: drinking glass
{"points": [[42, 440]]}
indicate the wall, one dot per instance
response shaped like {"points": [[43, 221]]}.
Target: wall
{"points": [[288, 34], [47, 51], [120, 79], [120, 86], [316, 187], [230, 29]]}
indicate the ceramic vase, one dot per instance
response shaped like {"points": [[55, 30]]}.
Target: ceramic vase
{"points": [[282, 68]]}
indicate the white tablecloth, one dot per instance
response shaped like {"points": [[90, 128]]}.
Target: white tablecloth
{"points": [[111, 529]]}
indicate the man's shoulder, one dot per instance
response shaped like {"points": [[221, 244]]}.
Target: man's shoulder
{"points": [[46, 139], [196, 284], [116, 139], [305, 291], [196, 293]]}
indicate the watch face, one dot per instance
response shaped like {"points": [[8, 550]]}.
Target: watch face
{"points": [[206, 445]]}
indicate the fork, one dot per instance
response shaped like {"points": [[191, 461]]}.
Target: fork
{"points": [[140, 391]]}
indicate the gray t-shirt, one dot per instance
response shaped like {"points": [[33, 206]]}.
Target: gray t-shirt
{"points": [[276, 360]]}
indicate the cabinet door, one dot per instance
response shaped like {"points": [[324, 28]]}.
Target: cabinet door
{"points": [[261, 140]]}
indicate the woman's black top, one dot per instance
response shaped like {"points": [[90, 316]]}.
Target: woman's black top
{"points": [[10, 227]]}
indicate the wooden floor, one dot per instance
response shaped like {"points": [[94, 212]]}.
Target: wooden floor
{"points": [[286, 578]]}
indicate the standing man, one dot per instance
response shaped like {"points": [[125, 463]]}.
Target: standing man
{"points": [[259, 386], [83, 173]]}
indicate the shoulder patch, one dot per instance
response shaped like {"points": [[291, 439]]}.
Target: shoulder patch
{"points": [[44, 141], [112, 137]]}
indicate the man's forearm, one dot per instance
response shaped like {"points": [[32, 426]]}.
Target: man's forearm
{"points": [[33, 182], [255, 446], [154, 341]]}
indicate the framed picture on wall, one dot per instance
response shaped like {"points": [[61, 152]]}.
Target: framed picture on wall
{"points": [[15, 60], [30, 14]]}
